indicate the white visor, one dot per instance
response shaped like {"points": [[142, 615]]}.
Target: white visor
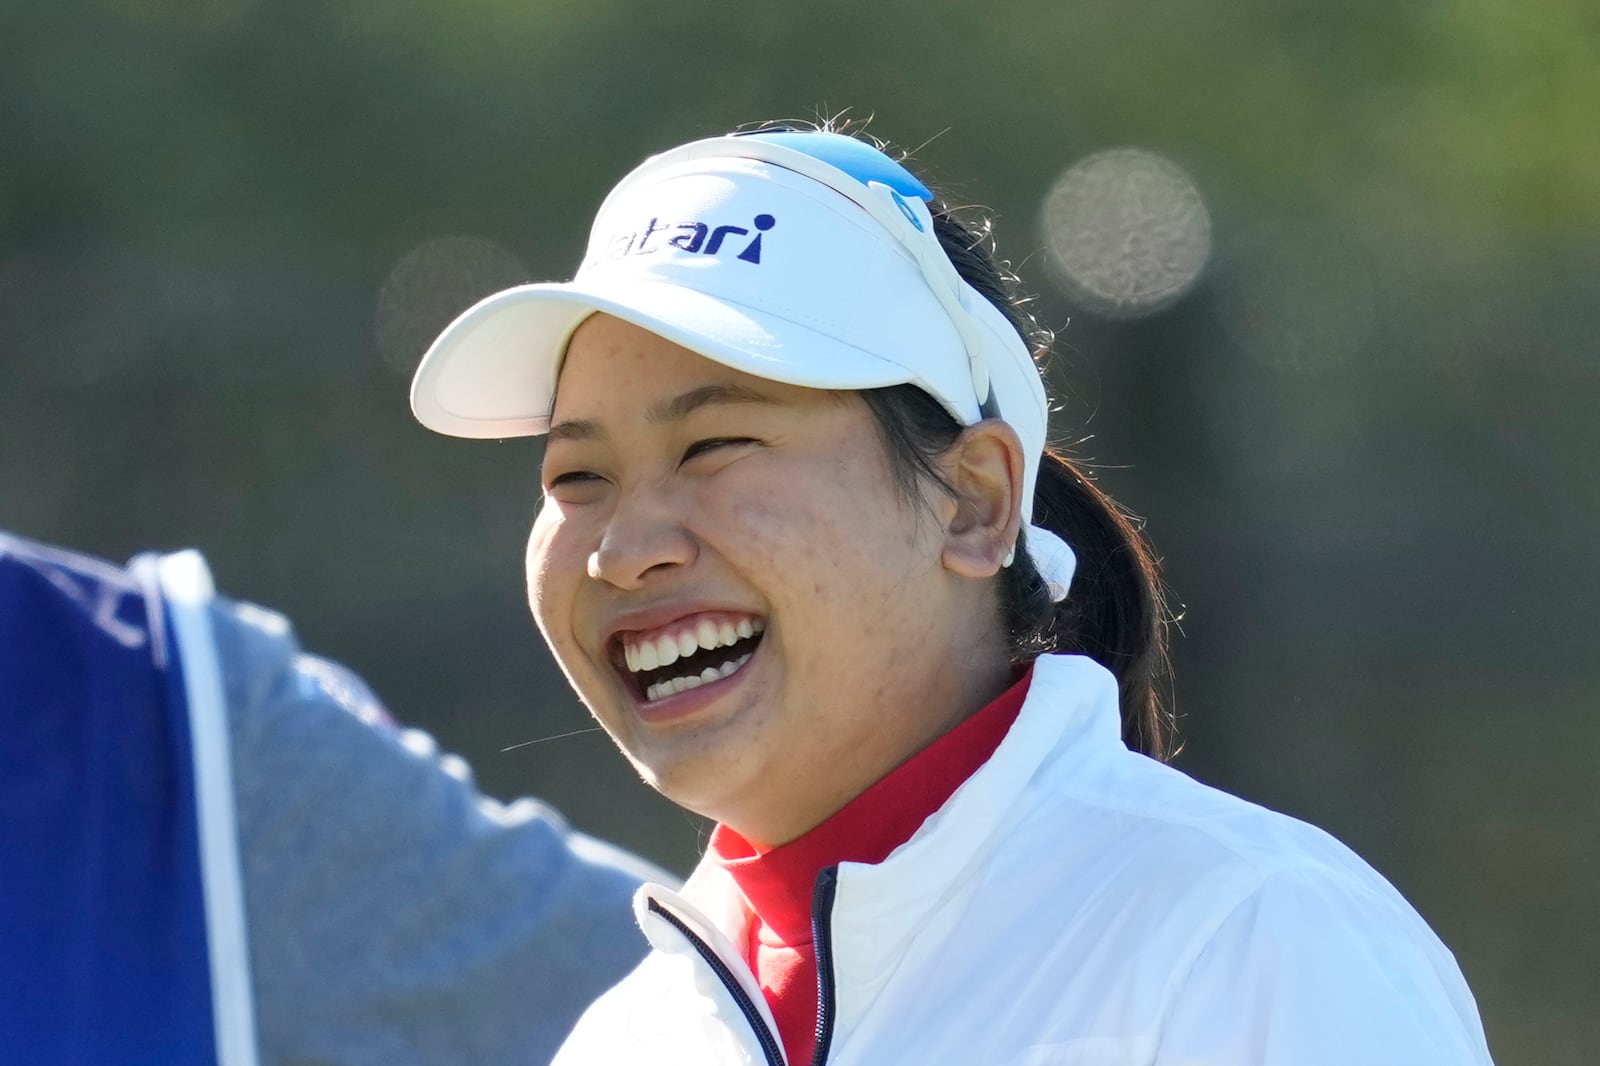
{"points": [[769, 261]]}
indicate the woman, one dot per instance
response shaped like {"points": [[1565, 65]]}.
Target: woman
{"points": [[794, 431]]}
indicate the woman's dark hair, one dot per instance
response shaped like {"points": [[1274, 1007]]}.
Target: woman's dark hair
{"points": [[1116, 610]]}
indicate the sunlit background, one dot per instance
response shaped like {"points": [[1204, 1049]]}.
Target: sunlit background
{"points": [[1326, 276]]}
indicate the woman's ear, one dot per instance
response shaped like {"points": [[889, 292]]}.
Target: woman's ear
{"points": [[984, 467]]}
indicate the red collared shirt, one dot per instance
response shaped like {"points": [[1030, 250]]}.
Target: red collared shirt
{"points": [[777, 884]]}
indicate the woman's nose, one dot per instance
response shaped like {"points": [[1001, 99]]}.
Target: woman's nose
{"points": [[644, 536]]}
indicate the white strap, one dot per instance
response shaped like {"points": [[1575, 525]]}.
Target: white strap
{"points": [[185, 584], [1053, 559]]}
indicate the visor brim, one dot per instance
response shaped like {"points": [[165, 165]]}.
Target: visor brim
{"points": [[492, 373]]}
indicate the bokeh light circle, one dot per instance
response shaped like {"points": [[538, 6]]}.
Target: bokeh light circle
{"points": [[1126, 232], [430, 286]]}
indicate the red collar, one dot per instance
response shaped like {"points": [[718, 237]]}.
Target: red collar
{"points": [[778, 883]]}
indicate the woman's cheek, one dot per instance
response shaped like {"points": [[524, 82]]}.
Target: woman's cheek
{"points": [[757, 529], [544, 566]]}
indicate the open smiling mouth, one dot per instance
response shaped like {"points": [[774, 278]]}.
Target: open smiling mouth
{"points": [[687, 656]]}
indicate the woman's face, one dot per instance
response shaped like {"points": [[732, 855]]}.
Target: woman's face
{"points": [[733, 584]]}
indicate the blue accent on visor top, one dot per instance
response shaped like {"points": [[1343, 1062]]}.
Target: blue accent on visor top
{"points": [[856, 158]]}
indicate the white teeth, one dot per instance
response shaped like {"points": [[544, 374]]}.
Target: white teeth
{"points": [[673, 685], [706, 635], [666, 651]]}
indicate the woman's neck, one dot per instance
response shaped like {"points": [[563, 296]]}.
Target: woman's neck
{"points": [[955, 695]]}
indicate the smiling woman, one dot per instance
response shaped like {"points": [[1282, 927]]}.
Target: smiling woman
{"points": [[805, 556], [682, 497]]}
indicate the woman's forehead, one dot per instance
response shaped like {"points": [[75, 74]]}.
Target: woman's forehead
{"points": [[617, 368], [604, 344]]}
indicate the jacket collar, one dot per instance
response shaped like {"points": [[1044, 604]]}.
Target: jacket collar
{"points": [[1070, 714]]}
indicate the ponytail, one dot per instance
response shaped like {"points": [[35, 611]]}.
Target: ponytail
{"points": [[1115, 612]]}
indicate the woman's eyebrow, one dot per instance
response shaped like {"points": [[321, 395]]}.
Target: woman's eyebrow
{"points": [[680, 406], [574, 429]]}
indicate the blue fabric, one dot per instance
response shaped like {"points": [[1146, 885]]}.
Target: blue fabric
{"points": [[855, 157], [103, 955]]}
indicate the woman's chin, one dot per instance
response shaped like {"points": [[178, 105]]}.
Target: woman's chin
{"points": [[702, 749]]}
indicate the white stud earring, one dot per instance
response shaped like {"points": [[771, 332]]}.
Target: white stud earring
{"points": [[1011, 556]]}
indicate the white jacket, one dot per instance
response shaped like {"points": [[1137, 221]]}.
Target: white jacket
{"points": [[1072, 902]]}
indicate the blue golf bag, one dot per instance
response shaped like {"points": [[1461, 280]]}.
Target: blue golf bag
{"points": [[122, 933]]}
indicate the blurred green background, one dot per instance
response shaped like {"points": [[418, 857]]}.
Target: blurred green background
{"points": [[1364, 438]]}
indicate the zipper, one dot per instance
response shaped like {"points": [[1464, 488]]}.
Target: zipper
{"points": [[821, 939], [763, 1035]]}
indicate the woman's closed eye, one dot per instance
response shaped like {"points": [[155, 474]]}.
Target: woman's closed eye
{"points": [[583, 478], [570, 478], [711, 444]]}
